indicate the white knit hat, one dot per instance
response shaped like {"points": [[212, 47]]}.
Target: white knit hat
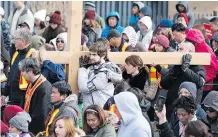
{"points": [[40, 15], [2, 12], [131, 34]]}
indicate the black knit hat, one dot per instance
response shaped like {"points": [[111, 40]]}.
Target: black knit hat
{"points": [[113, 33]]}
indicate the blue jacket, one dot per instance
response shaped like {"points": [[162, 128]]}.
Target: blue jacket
{"points": [[133, 20], [53, 72], [108, 28]]}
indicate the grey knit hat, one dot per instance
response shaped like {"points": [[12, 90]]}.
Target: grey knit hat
{"points": [[21, 121], [89, 5], [191, 87]]}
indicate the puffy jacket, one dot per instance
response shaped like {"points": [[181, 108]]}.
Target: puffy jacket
{"points": [[201, 46], [145, 37], [191, 17], [108, 28], [6, 32], [91, 34]]}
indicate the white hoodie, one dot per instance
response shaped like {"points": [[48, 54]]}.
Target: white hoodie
{"points": [[145, 37], [133, 123]]}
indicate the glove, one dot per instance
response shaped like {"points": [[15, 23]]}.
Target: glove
{"points": [[186, 59], [84, 61]]}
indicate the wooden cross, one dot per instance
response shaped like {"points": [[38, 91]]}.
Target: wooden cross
{"points": [[71, 57]]}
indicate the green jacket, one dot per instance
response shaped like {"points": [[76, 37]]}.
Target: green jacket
{"points": [[105, 131]]}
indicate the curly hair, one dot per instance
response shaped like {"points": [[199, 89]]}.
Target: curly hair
{"points": [[187, 103]]}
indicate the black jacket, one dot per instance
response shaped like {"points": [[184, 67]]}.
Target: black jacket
{"points": [[175, 77], [50, 33], [165, 131], [12, 89], [39, 107], [92, 36], [5, 57]]}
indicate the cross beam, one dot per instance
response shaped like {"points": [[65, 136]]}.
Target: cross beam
{"points": [[71, 57]]}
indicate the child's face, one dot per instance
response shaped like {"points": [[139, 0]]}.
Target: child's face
{"points": [[13, 129], [135, 10]]}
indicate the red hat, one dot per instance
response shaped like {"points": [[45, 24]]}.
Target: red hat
{"points": [[90, 14], [162, 40], [10, 111], [185, 17], [56, 18]]}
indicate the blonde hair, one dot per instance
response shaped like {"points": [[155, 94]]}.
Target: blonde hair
{"points": [[68, 125]]}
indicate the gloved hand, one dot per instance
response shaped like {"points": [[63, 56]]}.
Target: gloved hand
{"points": [[186, 59], [84, 61]]}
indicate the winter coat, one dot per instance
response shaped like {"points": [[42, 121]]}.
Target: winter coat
{"points": [[53, 72], [133, 20], [91, 34], [191, 17], [5, 58], [172, 81], [39, 107], [68, 107], [25, 16], [215, 37], [165, 130], [211, 100], [6, 32], [133, 123], [12, 89], [145, 37], [108, 28], [38, 30], [121, 48], [50, 33], [106, 130], [200, 46], [96, 83]]}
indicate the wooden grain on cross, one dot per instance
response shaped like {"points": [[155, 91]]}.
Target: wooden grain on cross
{"points": [[71, 56]]}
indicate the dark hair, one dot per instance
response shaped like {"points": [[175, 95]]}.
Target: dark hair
{"points": [[63, 88], [100, 48], [30, 64], [139, 94], [180, 16], [178, 27], [197, 129], [134, 60], [42, 25], [121, 87], [187, 103], [104, 40], [214, 20], [94, 110]]}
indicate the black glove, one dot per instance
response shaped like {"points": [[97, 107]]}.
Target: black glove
{"points": [[186, 59], [84, 61]]}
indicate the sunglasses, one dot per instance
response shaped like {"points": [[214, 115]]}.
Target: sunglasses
{"points": [[210, 109], [59, 41]]}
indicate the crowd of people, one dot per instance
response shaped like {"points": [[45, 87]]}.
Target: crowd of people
{"points": [[134, 99]]}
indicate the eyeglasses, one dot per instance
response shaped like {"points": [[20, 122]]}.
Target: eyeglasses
{"points": [[59, 41], [210, 109]]}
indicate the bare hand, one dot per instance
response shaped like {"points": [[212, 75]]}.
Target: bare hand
{"points": [[3, 103], [161, 115]]}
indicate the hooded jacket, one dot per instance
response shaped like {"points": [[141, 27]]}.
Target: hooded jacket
{"points": [[108, 28], [133, 20], [50, 33], [63, 36], [133, 123], [145, 37], [68, 107], [191, 18], [211, 100], [201, 46], [131, 34], [96, 83]]}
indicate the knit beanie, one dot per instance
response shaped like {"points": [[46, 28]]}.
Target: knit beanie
{"points": [[40, 15], [162, 40], [191, 87], [113, 33], [37, 42], [185, 17], [9, 112], [89, 5], [56, 18], [90, 14], [131, 34], [166, 23], [21, 121], [146, 11]]}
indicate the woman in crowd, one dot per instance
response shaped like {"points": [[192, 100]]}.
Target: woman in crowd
{"points": [[54, 27], [39, 22], [91, 27], [64, 127], [94, 123], [61, 42]]}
